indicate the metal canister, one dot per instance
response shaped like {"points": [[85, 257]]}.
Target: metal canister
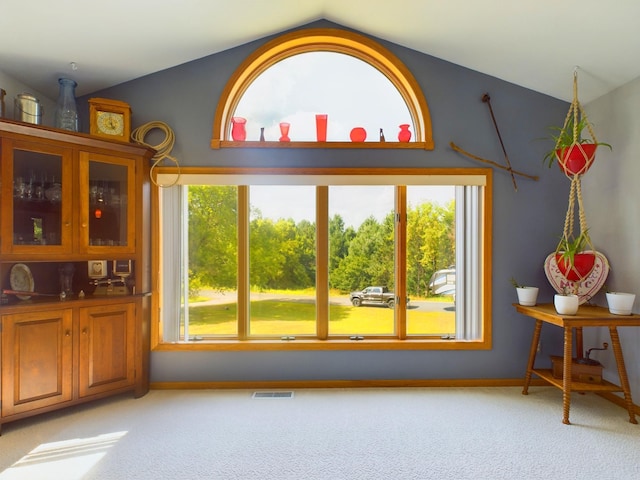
{"points": [[27, 108]]}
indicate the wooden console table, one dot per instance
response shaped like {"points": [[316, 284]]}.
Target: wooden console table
{"points": [[587, 316]]}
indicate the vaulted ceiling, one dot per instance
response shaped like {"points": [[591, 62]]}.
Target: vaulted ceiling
{"points": [[534, 43]]}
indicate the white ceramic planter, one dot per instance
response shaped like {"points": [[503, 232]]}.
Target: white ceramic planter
{"points": [[620, 303], [527, 296], [566, 304]]}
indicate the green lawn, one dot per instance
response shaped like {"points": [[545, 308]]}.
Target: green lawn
{"points": [[277, 317]]}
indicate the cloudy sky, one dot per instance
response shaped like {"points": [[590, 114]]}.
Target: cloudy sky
{"points": [[353, 94], [353, 203]]}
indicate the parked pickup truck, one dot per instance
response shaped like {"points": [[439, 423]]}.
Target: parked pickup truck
{"points": [[374, 296]]}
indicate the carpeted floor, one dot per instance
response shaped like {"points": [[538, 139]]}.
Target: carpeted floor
{"points": [[399, 433]]}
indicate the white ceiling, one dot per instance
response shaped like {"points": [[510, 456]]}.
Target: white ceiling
{"points": [[534, 43]]}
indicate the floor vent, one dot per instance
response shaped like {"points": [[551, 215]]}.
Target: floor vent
{"points": [[272, 394]]}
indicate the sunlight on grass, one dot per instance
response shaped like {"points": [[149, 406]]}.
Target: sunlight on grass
{"points": [[277, 318]]}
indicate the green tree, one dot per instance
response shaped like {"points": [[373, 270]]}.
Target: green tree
{"points": [[339, 239], [266, 256], [430, 243], [213, 250], [306, 248], [370, 257]]}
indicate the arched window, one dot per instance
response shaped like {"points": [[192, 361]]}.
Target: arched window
{"points": [[349, 77]]}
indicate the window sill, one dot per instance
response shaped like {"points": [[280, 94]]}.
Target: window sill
{"points": [[216, 144], [300, 344]]}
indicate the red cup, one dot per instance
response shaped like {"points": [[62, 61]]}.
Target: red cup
{"points": [[321, 127]]}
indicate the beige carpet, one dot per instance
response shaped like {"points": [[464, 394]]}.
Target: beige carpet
{"points": [[407, 433]]}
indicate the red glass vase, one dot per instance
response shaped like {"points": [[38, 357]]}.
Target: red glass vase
{"points": [[238, 129], [284, 130], [404, 135]]}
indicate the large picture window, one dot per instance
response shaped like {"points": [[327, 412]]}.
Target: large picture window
{"points": [[378, 257]]}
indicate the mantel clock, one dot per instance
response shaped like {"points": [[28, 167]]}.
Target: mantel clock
{"points": [[109, 119]]}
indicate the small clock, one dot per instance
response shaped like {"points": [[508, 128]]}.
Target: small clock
{"points": [[109, 119]]}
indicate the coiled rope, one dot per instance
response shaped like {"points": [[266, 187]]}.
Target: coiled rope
{"points": [[163, 149]]}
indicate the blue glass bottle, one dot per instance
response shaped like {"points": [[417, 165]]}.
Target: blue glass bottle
{"points": [[66, 109]]}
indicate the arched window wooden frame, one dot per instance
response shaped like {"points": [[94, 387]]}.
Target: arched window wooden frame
{"points": [[325, 40]]}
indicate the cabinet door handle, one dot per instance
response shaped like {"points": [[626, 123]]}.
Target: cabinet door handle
{"points": [[67, 333], [84, 331]]}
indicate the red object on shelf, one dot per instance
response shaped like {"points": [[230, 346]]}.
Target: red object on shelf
{"points": [[238, 129], [98, 213], [284, 130], [576, 159], [358, 134], [321, 127], [405, 134]]}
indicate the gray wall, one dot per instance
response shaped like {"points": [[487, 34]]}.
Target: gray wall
{"points": [[612, 204], [527, 223], [14, 87]]}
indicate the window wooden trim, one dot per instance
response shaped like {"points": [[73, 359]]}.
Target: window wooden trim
{"points": [[331, 40], [302, 344]]}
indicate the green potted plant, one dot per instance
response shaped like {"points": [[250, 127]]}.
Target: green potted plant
{"points": [[566, 303], [574, 152], [527, 296], [572, 258]]}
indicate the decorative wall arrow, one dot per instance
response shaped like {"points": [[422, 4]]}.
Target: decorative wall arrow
{"points": [[487, 99]]}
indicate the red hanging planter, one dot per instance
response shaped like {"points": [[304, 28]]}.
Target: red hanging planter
{"points": [[583, 264], [576, 159]]}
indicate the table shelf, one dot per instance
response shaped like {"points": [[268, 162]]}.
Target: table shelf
{"points": [[576, 386]]}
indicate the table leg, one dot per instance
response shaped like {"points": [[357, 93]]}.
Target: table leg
{"points": [[579, 343], [622, 373], [566, 375], [532, 356]]}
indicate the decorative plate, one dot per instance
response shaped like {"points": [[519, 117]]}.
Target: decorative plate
{"points": [[588, 287], [22, 280]]}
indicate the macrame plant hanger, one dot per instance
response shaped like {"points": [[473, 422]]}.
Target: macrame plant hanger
{"points": [[575, 116], [568, 233]]}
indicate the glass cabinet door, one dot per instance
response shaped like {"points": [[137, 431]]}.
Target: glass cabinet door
{"points": [[40, 184], [107, 203]]}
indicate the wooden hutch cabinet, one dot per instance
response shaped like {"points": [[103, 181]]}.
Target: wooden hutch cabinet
{"points": [[75, 267]]}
